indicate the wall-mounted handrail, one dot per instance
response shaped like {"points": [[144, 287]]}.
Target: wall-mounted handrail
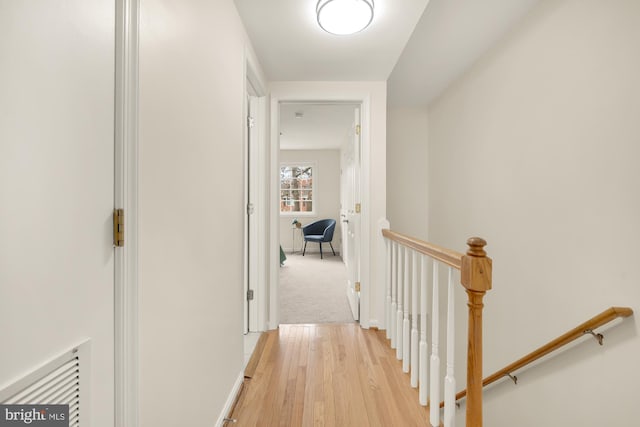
{"points": [[587, 327]]}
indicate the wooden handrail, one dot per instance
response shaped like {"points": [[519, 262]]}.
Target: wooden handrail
{"points": [[447, 256], [575, 333]]}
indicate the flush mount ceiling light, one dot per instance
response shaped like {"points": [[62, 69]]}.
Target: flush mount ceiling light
{"points": [[344, 17]]}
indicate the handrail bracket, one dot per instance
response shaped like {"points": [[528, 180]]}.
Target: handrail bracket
{"points": [[513, 378], [598, 337]]}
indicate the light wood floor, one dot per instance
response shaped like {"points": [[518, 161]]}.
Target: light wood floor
{"points": [[327, 375]]}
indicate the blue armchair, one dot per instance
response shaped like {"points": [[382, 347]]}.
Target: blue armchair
{"points": [[320, 232]]}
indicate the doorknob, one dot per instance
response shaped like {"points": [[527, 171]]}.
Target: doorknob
{"points": [[345, 220]]}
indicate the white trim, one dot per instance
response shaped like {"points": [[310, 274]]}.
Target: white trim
{"points": [[126, 197], [365, 219], [352, 189], [228, 405], [381, 268], [315, 249], [274, 225], [255, 83], [257, 309], [262, 214], [253, 221], [274, 217], [246, 234]]}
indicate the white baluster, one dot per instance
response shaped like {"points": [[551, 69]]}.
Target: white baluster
{"points": [[414, 321], [424, 353], [434, 395], [406, 325], [387, 274], [394, 292], [450, 380], [399, 313]]}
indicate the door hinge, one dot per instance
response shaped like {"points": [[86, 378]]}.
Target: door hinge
{"points": [[357, 286], [250, 122], [250, 295], [250, 209], [118, 227], [358, 207], [357, 129]]}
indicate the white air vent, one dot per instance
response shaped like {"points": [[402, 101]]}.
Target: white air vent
{"points": [[60, 381]]}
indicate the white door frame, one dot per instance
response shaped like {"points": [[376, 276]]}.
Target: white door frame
{"points": [[274, 184], [249, 226], [353, 236], [126, 197], [255, 268], [255, 199]]}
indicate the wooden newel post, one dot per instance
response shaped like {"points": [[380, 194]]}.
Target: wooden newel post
{"points": [[475, 276]]}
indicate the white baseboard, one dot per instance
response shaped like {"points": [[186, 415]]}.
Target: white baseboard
{"points": [[374, 323], [230, 400], [316, 250]]}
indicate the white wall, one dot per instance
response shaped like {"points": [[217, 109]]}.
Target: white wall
{"points": [[192, 61], [326, 196], [536, 149], [407, 171], [374, 208], [56, 190]]}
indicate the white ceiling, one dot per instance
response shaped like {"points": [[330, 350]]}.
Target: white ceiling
{"points": [[449, 36], [291, 46], [322, 126]]}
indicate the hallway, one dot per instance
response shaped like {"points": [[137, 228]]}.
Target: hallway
{"points": [[331, 375], [124, 158]]}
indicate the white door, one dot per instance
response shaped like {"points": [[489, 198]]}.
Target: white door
{"points": [[345, 200], [251, 243], [57, 190], [352, 220]]}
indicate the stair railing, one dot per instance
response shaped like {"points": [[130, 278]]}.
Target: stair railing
{"points": [[585, 328], [406, 311]]}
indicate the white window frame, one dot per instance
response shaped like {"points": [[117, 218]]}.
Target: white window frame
{"points": [[314, 198]]}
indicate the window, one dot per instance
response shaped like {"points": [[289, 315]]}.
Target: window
{"points": [[296, 188]]}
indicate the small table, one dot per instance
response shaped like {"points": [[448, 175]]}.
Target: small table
{"points": [[293, 238]]}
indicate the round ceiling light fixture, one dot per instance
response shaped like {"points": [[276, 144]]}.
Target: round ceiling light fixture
{"points": [[344, 17]]}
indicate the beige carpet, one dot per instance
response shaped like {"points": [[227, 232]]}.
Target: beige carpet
{"points": [[314, 290]]}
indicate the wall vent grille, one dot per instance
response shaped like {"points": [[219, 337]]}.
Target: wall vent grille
{"points": [[56, 382]]}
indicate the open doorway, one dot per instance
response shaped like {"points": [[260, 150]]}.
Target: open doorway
{"points": [[371, 97], [318, 172]]}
